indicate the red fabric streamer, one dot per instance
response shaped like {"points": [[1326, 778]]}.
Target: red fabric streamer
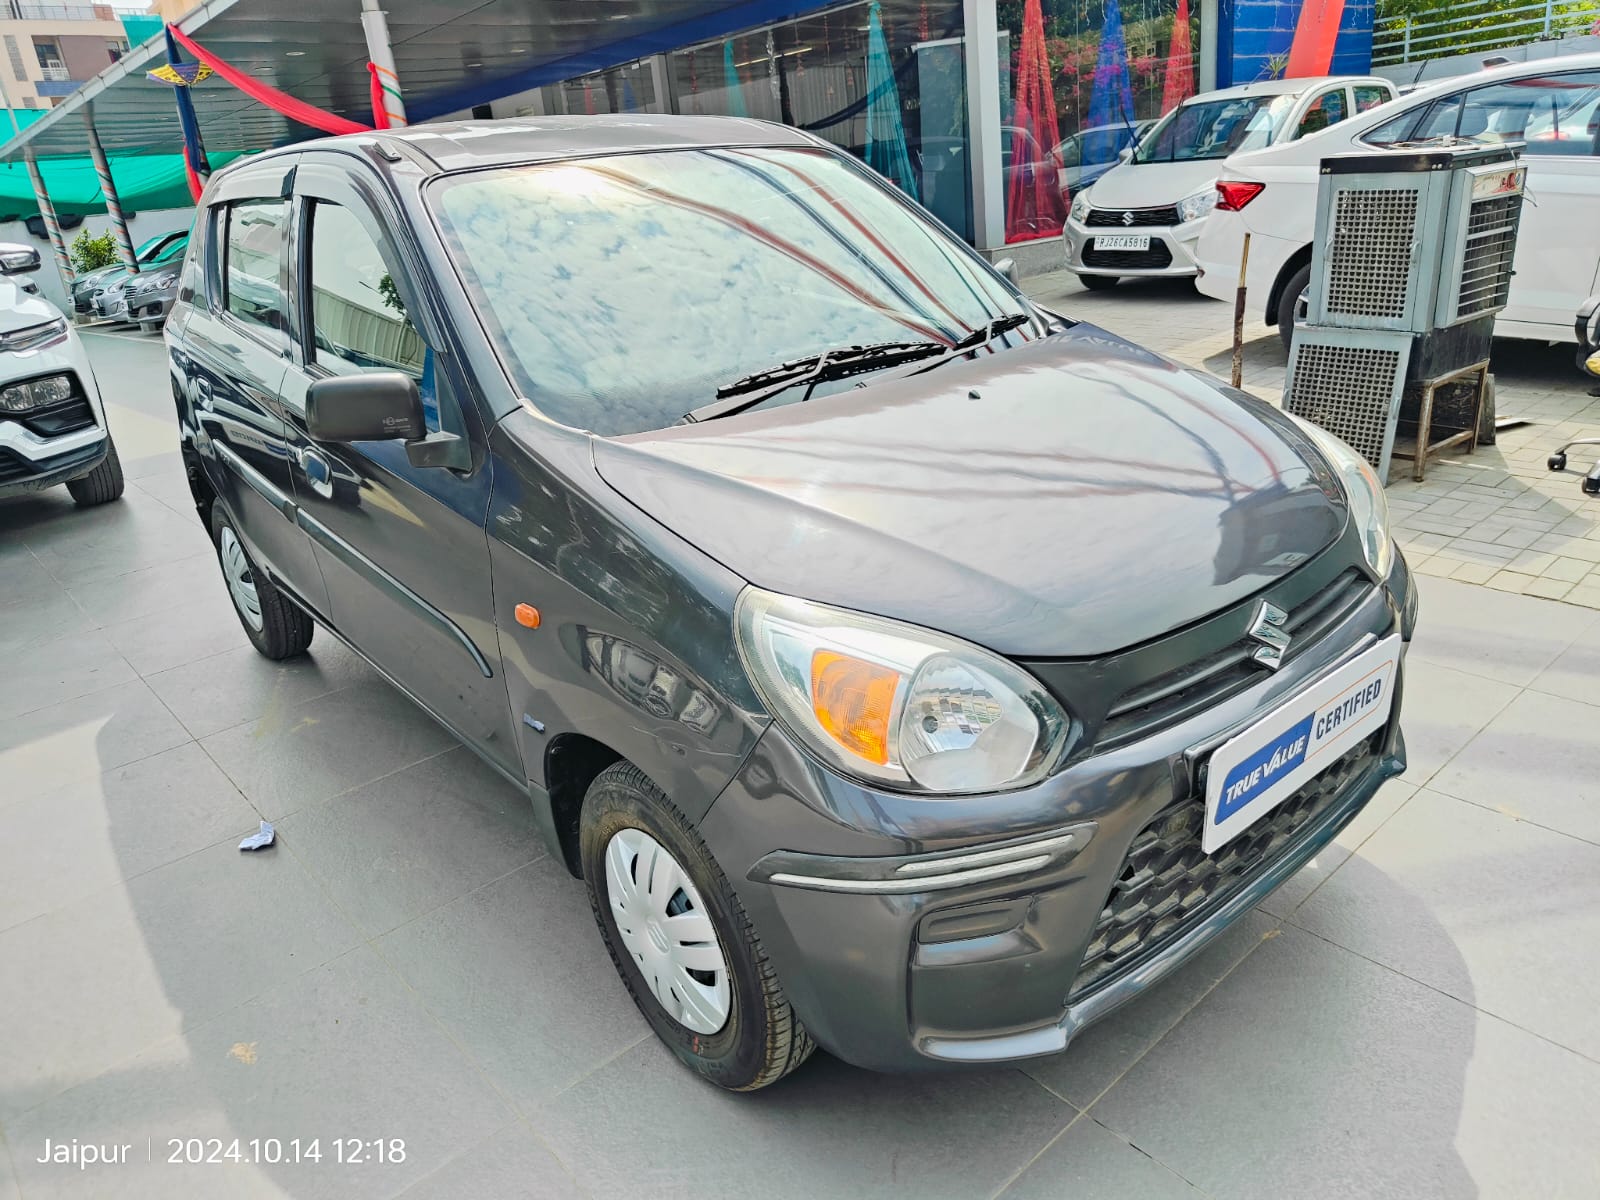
{"points": [[1035, 206], [195, 186], [380, 114], [1311, 52], [1179, 85], [295, 110]]}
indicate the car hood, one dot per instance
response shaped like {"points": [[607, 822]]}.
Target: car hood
{"points": [[20, 310], [1066, 498], [1149, 185]]}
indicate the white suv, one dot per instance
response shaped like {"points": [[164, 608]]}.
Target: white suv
{"points": [[1551, 105], [52, 425]]}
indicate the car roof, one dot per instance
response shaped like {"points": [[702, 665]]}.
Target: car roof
{"points": [[453, 145], [1522, 70], [1282, 87]]}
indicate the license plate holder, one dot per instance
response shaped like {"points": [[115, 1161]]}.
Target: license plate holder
{"points": [[1254, 771], [1131, 242]]}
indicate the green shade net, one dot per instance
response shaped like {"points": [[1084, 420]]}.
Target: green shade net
{"points": [[140, 28], [144, 182]]}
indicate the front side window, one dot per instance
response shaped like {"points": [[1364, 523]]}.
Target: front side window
{"points": [[1327, 109], [1215, 129], [254, 257], [359, 321], [622, 292]]}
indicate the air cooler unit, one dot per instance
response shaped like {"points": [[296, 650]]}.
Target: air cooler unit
{"points": [[1413, 252]]}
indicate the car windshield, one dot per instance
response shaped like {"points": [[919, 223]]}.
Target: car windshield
{"points": [[147, 250], [622, 292], [1215, 129]]}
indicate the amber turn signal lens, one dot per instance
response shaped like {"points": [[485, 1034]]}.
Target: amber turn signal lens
{"points": [[853, 700], [527, 616]]}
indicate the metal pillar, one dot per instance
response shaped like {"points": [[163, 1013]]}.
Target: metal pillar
{"points": [[108, 188], [48, 212], [378, 50], [1208, 45], [983, 123]]}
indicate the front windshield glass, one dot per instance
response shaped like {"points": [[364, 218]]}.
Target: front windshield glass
{"points": [[1215, 129], [622, 291]]}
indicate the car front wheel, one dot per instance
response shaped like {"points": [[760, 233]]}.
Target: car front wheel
{"points": [[1293, 304], [680, 938], [276, 627], [101, 485]]}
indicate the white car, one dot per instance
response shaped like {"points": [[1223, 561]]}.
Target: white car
{"points": [[1143, 216], [1552, 105], [52, 424]]}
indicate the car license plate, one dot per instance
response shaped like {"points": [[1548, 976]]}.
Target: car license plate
{"points": [[1255, 771], [1123, 241]]}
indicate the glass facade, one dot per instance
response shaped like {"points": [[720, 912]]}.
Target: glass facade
{"points": [[1079, 79]]}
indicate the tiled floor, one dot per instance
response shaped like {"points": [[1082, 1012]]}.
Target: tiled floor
{"points": [[1497, 516], [1417, 1014]]}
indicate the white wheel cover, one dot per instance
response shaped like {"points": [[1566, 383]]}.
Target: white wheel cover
{"points": [[666, 929]]}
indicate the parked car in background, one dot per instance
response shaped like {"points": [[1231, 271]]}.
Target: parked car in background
{"points": [[85, 285], [1144, 215], [1550, 105], [1090, 153], [52, 424], [922, 758], [149, 296], [110, 297]]}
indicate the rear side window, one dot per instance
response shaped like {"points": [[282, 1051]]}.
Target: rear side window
{"points": [[252, 269], [1550, 114], [1369, 96]]}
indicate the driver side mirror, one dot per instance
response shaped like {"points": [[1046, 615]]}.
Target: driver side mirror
{"points": [[1124, 154], [381, 406], [1008, 268], [18, 259]]}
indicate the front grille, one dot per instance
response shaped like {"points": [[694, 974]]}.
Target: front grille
{"points": [[1147, 217], [1202, 684], [56, 419], [1491, 245], [1153, 259], [1369, 262], [1168, 884]]}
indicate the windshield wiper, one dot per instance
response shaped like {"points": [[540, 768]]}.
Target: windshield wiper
{"points": [[750, 390]]}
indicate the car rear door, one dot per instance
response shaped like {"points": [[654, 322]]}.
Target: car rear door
{"points": [[403, 548], [231, 360]]}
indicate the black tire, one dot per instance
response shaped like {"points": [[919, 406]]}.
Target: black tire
{"points": [[762, 1039], [285, 628], [1099, 283], [1298, 282], [101, 485]]}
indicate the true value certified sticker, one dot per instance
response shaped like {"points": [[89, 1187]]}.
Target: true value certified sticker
{"points": [[1255, 771]]}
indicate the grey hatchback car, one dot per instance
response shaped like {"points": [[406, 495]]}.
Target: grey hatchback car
{"points": [[905, 669]]}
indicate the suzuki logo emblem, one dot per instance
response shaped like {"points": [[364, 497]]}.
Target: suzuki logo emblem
{"points": [[1127, 218], [1267, 628]]}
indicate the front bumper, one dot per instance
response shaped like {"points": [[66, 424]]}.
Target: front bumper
{"points": [[985, 972], [1170, 255], [149, 309]]}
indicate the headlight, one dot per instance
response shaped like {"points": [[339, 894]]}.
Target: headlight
{"points": [[895, 704], [35, 337], [1369, 506], [1080, 206], [36, 393], [1192, 208]]}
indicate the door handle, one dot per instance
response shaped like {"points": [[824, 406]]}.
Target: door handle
{"points": [[318, 473]]}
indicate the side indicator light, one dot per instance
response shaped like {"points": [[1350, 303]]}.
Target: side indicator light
{"points": [[527, 616]]}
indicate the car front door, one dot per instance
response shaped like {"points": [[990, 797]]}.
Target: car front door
{"points": [[403, 548], [232, 360]]}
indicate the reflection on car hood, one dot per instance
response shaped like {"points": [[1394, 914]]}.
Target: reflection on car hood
{"points": [[19, 309], [1150, 185], [1070, 497]]}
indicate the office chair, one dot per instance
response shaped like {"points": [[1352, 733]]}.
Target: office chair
{"points": [[1588, 329]]}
